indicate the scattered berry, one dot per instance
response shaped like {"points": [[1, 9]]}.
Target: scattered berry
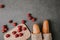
{"points": [[14, 32], [21, 34], [7, 35], [10, 21], [23, 21], [33, 19], [16, 35], [3, 31], [19, 30], [14, 24], [19, 27], [4, 26], [2, 5], [30, 18], [24, 28], [29, 14]]}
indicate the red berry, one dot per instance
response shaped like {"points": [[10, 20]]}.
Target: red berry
{"points": [[24, 28], [14, 24], [33, 19], [19, 30], [20, 27], [3, 31], [10, 21], [16, 35], [14, 32], [23, 21], [4, 26], [29, 14], [2, 6], [7, 35], [30, 18], [21, 34]]}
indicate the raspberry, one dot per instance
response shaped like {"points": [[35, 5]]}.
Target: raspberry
{"points": [[19, 30], [16, 35], [24, 28], [10, 21], [3, 31], [23, 21], [20, 27], [14, 32], [7, 35], [14, 24], [4, 26], [21, 34], [2, 6], [33, 19], [30, 18], [29, 14]]}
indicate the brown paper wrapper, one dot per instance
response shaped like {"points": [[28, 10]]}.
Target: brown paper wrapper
{"points": [[36, 36], [47, 36]]}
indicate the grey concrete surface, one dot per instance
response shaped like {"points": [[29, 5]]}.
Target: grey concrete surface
{"points": [[41, 9]]}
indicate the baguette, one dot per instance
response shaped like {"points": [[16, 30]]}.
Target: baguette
{"points": [[36, 35], [46, 33]]}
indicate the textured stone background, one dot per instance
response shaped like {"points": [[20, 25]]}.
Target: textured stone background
{"points": [[41, 9]]}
